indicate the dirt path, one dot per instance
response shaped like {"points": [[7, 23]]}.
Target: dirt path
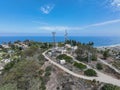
{"points": [[101, 76], [109, 65]]}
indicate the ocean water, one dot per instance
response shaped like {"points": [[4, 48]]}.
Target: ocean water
{"points": [[98, 41]]}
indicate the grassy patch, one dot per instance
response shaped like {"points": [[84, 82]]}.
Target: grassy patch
{"points": [[80, 65], [65, 57]]}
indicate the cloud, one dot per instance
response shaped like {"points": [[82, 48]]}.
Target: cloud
{"points": [[62, 28], [46, 9], [58, 28], [115, 3], [105, 23]]}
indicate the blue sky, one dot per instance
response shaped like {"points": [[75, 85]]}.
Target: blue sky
{"points": [[78, 17]]}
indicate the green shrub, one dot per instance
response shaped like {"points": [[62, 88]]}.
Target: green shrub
{"points": [[8, 66], [106, 54], [80, 65], [110, 87], [94, 58], [48, 68], [90, 72], [82, 59], [99, 66]]}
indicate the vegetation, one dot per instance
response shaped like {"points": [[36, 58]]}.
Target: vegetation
{"points": [[9, 66], [99, 66], [80, 65], [105, 54], [94, 58], [110, 87], [61, 44], [65, 57], [24, 72], [90, 72], [72, 42], [84, 50], [117, 64]]}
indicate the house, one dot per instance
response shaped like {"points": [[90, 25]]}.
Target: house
{"points": [[68, 46], [5, 46]]}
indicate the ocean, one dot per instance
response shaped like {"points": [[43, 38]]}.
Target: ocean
{"points": [[98, 41]]}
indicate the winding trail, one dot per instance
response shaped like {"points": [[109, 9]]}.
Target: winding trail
{"points": [[101, 76], [104, 62]]}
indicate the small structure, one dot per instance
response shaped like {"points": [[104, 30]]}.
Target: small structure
{"points": [[50, 53], [5, 46], [1, 68], [62, 62], [68, 46], [21, 45], [75, 47], [63, 51], [6, 60], [118, 57]]}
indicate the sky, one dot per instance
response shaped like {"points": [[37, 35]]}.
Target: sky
{"points": [[78, 17]]}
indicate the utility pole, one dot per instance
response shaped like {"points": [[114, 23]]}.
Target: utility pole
{"points": [[53, 34], [66, 35]]}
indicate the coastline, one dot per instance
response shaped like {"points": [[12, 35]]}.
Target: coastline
{"points": [[109, 46], [98, 41]]}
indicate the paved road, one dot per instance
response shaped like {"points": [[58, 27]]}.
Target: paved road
{"points": [[101, 77], [104, 62]]}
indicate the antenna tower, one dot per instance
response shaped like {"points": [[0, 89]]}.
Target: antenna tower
{"points": [[53, 34], [66, 35]]}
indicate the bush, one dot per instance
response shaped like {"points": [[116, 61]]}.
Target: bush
{"points": [[105, 54], [99, 66], [82, 59], [48, 71], [8, 66], [80, 65], [90, 72], [94, 58], [65, 57], [110, 87]]}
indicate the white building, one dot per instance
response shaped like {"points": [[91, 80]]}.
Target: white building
{"points": [[63, 51], [50, 53], [5, 46], [68, 46], [62, 62]]}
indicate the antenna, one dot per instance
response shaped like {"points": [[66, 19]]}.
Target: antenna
{"points": [[53, 33], [66, 35]]}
